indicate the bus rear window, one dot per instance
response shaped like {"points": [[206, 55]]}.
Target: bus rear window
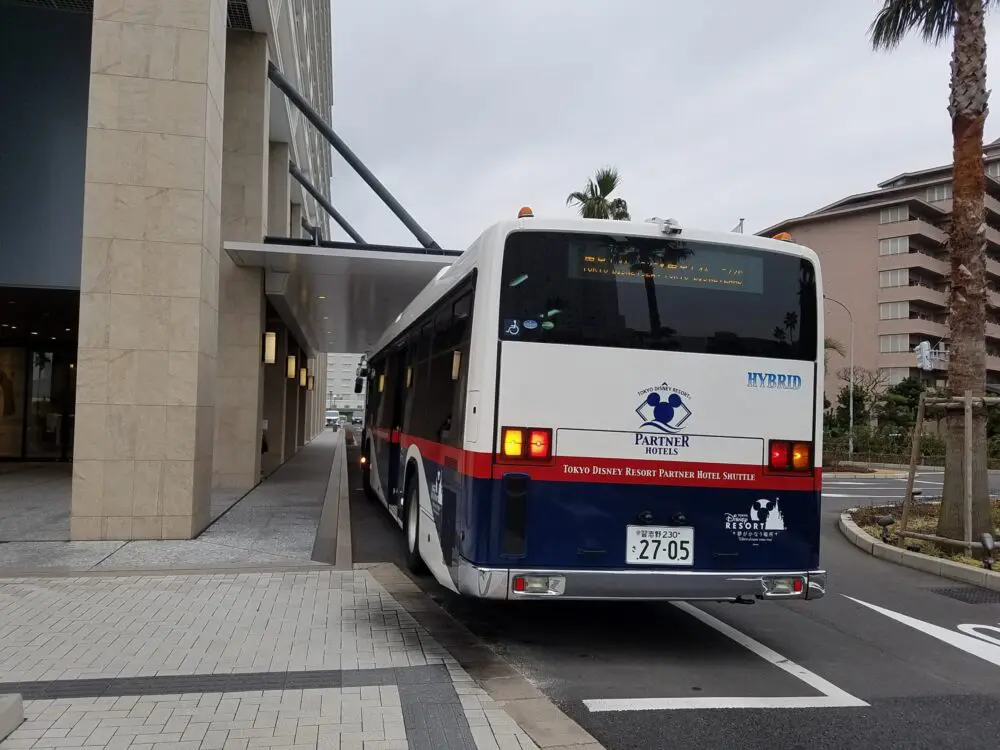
{"points": [[653, 293]]}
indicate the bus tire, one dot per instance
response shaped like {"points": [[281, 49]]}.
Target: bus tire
{"points": [[411, 529]]}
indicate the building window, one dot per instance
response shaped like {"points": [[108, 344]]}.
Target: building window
{"points": [[895, 375], [893, 310], [993, 169], [939, 193], [894, 246], [895, 277], [894, 343], [894, 214]]}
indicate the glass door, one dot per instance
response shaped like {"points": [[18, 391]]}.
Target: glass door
{"points": [[51, 397], [12, 378]]}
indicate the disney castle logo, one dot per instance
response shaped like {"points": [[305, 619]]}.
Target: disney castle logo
{"points": [[762, 524]]}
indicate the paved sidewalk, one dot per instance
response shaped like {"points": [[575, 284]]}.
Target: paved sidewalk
{"points": [[274, 524], [316, 659]]}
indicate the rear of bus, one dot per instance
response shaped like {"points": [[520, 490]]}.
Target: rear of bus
{"points": [[656, 417]]}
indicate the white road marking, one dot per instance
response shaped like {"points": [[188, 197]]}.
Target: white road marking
{"points": [[832, 696], [967, 643], [861, 495]]}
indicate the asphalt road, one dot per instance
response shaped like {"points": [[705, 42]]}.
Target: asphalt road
{"points": [[849, 670]]}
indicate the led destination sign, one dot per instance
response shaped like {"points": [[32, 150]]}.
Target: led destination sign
{"points": [[702, 267]]}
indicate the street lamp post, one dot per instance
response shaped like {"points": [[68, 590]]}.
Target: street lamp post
{"points": [[850, 385]]}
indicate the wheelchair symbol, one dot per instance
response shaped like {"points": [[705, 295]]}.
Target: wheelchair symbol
{"points": [[513, 329]]}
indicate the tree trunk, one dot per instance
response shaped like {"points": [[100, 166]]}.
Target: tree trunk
{"points": [[967, 248]]}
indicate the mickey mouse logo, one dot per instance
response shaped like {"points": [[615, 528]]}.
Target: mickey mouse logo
{"points": [[664, 410]]}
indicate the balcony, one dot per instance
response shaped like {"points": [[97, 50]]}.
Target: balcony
{"points": [[913, 228], [916, 326], [914, 292], [992, 207], [914, 260]]}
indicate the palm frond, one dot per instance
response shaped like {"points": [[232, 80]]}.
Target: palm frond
{"points": [[831, 344], [575, 197], [934, 19], [607, 180], [618, 209]]}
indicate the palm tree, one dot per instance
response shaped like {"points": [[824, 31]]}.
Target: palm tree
{"points": [[962, 21], [830, 344], [595, 201]]}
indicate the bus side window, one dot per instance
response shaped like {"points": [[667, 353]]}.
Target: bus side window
{"points": [[438, 405], [416, 416], [462, 314]]}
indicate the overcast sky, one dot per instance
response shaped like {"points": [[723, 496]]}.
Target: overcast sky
{"points": [[468, 109]]}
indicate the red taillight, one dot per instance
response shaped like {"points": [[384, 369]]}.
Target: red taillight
{"points": [[539, 444], [789, 455], [779, 455], [526, 443]]}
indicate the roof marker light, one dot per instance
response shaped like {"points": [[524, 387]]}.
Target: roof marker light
{"points": [[525, 213]]}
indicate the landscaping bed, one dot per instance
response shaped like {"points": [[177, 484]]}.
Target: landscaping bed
{"points": [[849, 468], [923, 519]]}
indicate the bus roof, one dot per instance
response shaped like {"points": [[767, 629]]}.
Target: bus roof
{"points": [[492, 238]]}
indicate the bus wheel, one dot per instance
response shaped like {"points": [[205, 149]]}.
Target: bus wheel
{"points": [[366, 475], [412, 528]]}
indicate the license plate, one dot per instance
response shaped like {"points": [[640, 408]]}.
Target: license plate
{"points": [[659, 545]]}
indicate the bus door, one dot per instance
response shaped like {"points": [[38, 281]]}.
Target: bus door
{"points": [[386, 433], [394, 481]]}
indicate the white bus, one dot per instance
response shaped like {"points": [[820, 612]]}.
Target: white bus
{"points": [[587, 409]]}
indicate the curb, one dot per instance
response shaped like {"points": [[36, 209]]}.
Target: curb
{"points": [[332, 545], [11, 714], [981, 577], [858, 475], [536, 715]]}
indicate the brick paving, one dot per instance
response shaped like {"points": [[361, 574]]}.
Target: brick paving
{"points": [[316, 659]]}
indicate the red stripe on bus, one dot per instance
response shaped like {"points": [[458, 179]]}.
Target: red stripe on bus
{"points": [[665, 473], [480, 465]]}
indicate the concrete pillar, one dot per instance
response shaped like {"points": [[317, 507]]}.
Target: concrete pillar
{"points": [[300, 437], [292, 404], [295, 220], [150, 265], [321, 392], [308, 419], [239, 377], [279, 208], [319, 418], [274, 405]]}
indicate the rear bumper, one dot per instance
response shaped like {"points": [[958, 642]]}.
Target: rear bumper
{"points": [[643, 585]]}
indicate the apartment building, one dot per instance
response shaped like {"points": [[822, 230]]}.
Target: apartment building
{"points": [[341, 371], [884, 257]]}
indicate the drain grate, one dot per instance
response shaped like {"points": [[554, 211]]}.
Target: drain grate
{"points": [[970, 594]]}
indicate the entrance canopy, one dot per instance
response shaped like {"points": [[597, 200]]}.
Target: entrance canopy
{"points": [[338, 296]]}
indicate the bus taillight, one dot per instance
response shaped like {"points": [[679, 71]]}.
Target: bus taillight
{"points": [[788, 455], [540, 444], [526, 443]]}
